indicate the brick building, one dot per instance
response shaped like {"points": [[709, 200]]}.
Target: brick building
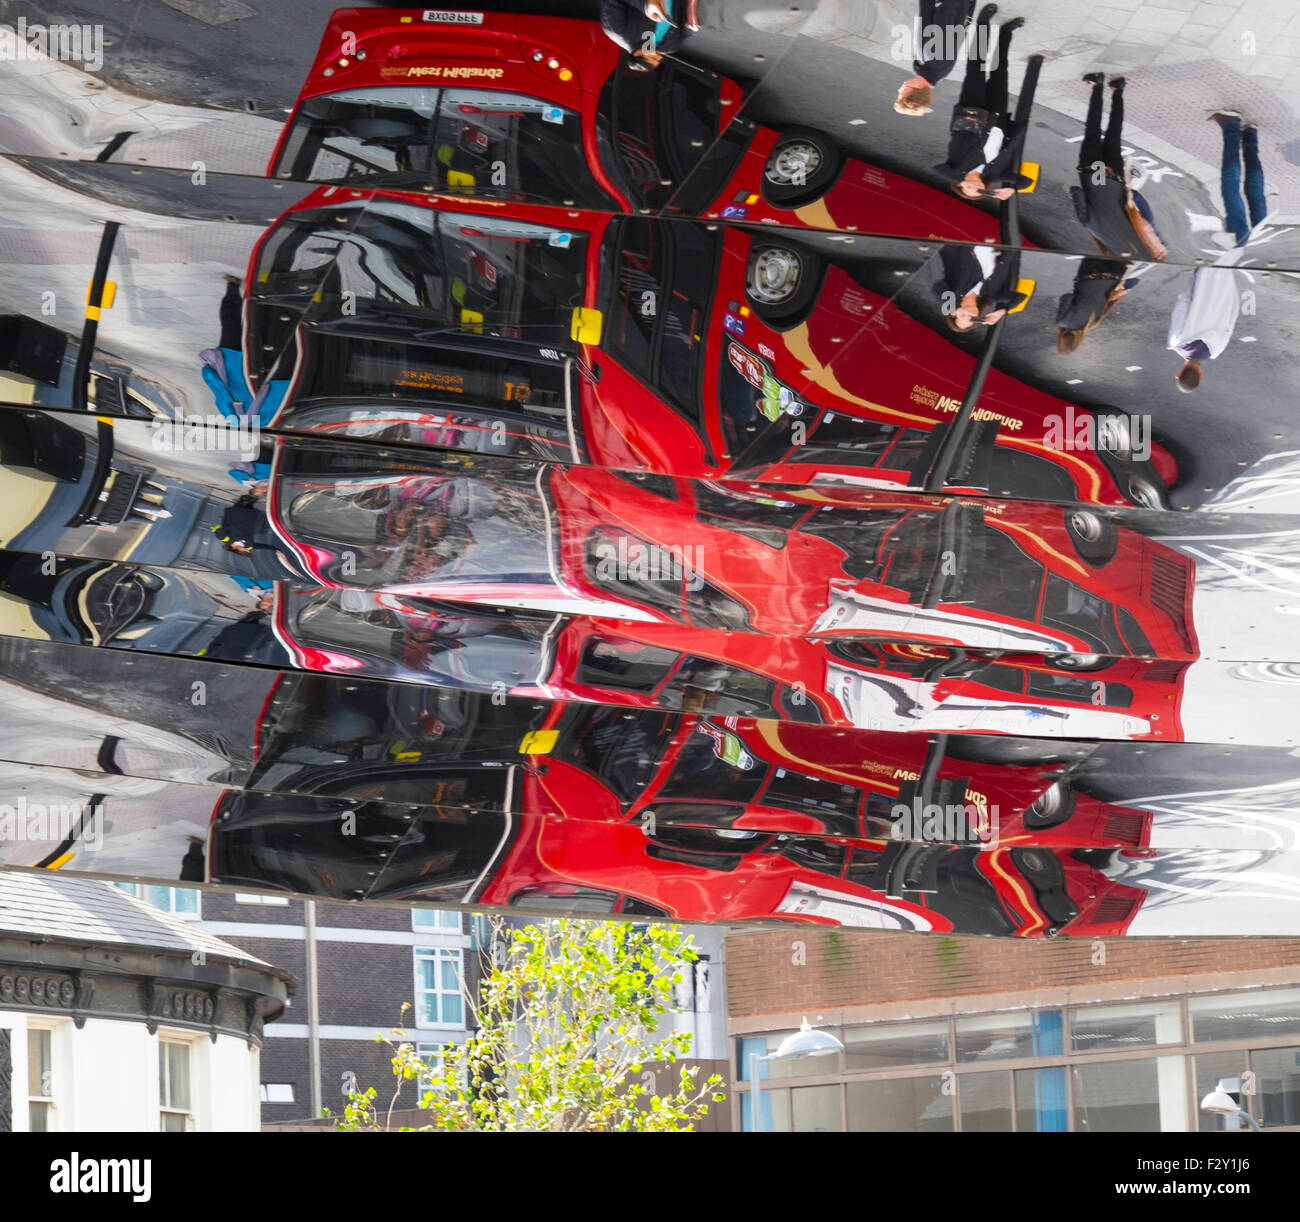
{"points": [[369, 960], [945, 1033]]}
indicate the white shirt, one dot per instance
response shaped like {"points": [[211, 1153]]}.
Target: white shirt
{"points": [[992, 146], [987, 258], [1207, 311]]}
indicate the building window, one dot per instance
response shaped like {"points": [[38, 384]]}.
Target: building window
{"points": [[1110, 1027], [277, 1092], [985, 1102], [895, 1046], [179, 901], [40, 1080], [243, 897], [901, 1105], [1277, 1086], [174, 1086], [438, 1001], [1242, 1016], [1131, 1096], [435, 918], [794, 1067]]}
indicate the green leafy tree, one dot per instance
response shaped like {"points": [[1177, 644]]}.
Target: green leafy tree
{"points": [[565, 1020]]}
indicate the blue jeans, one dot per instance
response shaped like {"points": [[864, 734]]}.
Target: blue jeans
{"points": [[1236, 146]]}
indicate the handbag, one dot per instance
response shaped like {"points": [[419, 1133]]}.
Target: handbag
{"points": [[973, 119]]}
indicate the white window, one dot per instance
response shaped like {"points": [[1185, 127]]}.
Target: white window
{"points": [[174, 1088], [435, 918], [40, 1080], [277, 1092], [432, 1056], [242, 897], [438, 1001], [179, 901]]}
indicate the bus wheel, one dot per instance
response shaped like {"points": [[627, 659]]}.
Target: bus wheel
{"points": [[1051, 808], [799, 169], [781, 283], [1147, 494], [1077, 661], [1094, 537]]}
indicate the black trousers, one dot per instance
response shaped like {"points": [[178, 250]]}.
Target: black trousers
{"points": [[1107, 148], [989, 92], [232, 320]]}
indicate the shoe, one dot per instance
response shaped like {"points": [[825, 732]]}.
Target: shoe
{"points": [[1117, 82], [1095, 78], [988, 12], [1250, 127], [1014, 24], [1218, 116]]}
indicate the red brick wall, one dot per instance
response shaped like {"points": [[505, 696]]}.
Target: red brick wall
{"points": [[857, 969]]}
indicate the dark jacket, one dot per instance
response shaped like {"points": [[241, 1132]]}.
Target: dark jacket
{"points": [[945, 15], [626, 23], [1102, 210], [1095, 280], [966, 152], [962, 272]]}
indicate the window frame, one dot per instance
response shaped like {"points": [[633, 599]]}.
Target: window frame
{"points": [[421, 954], [168, 1039]]}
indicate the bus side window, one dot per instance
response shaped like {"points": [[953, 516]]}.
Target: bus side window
{"points": [[610, 661]]}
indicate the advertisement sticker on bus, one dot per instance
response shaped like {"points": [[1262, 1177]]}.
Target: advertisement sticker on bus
{"points": [[775, 398], [727, 747]]}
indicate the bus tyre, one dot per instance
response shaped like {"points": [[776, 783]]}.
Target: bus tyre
{"points": [[1077, 661], [800, 168], [781, 283], [1095, 538], [1147, 493], [1051, 808]]}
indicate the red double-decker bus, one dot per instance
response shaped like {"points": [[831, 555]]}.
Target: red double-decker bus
{"points": [[842, 563], [698, 818], [642, 344], [545, 110]]}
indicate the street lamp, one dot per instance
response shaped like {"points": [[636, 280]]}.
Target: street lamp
{"points": [[1223, 1104], [805, 1042]]}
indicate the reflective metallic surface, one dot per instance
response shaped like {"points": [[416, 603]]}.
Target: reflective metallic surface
{"points": [[459, 460]]}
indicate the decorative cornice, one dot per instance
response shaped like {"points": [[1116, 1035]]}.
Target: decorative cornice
{"points": [[152, 1000]]}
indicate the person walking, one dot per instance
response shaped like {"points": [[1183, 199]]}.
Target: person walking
{"points": [[1118, 218], [982, 156], [937, 40], [649, 29], [1240, 144], [977, 286], [1204, 318], [1098, 286]]}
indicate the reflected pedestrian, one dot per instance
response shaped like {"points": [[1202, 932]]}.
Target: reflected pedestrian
{"points": [[1240, 144], [1118, 217], [1204, 318], [978, 286], [649, 29], [982, 156], [938, 37], [1098, 286]]}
